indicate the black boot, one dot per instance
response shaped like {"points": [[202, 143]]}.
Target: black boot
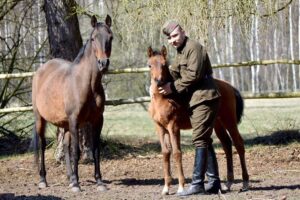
{"points": [[214, 184], [197, 185]]}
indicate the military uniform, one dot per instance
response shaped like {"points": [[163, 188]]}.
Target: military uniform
{"points": [[192, 74]]}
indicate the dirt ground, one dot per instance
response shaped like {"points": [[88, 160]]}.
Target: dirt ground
{"points": [[274, 173]]}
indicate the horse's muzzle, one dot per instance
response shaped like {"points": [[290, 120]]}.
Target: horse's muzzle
{"points": [[103, 64]]}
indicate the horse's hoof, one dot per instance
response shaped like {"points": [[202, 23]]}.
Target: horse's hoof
{"points": [[42, 185], [75, 189], [245, 187], [101, 188]]}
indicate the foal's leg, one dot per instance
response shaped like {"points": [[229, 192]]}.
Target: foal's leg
{"points": [[73, 127], [96, 154], [227, 147], [239, 145], [40, 124], [174, 133], [165, 149]]}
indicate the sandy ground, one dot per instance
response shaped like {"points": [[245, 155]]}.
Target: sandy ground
{"points": [[274, 173]]}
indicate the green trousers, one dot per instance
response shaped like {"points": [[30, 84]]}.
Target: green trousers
{"points": [[202, 118]]}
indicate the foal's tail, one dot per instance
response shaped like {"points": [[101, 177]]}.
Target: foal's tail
{"points": [[239, 105], [35, 144]]}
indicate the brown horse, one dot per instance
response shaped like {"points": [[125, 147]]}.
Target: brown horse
{"points": [[69, 95], [170, 116]]}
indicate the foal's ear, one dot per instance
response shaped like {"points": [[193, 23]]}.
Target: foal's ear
{"points": [[164, 51], [108, 20], [94, 21], [150, 51]]}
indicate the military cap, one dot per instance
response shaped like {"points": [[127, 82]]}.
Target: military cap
{"points": [[169, 26]]}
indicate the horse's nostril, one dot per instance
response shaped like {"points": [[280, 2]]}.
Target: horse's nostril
{"points": [[104, 62], [159, 82]]}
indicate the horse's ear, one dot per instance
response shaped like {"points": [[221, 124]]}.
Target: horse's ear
{"points": [[150, 51], [94, 21], [164, 51], [108, 20]]}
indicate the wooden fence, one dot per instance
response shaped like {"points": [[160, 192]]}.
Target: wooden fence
{"points": [[147, 99]]}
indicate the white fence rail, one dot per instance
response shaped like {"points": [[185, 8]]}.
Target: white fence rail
{"points": [[147, 99], [146, 69]]}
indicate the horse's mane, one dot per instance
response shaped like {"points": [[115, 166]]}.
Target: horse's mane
{"points": [[82, 49], [80, 54]]}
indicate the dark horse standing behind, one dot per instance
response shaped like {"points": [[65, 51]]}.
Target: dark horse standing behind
{"points": [[69, 95], [170, 116]]}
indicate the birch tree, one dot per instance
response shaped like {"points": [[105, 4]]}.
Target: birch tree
{"points": [[294, 76]]}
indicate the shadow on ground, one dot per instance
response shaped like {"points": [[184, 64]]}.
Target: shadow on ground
{"points": [[11, 196], [283, 137], [113, 149]]}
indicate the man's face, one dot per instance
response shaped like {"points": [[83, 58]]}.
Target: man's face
{"points": [[176, 38]]}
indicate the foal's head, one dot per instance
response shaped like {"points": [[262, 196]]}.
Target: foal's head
{"points": [[159, 67], [101, 39]]}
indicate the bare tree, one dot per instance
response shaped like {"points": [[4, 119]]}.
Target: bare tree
{"points": [[14, 32]]}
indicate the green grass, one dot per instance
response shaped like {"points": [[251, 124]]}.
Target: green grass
{"points": [[265, 122], [261, 117]]}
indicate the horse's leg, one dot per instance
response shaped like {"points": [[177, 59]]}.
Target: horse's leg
{"points": [[227, 147], [40, 124], [73, 128], [176, 150], [96, 154], [66, 147], [239, 145], [165, 149]]}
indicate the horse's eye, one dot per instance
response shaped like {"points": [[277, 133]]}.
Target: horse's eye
{"points": [[92, 39]]}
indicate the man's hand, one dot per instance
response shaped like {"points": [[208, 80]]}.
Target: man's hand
{"points": [[165, 89]]}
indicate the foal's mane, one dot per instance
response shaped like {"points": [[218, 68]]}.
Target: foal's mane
{"points": [[157, 52]]}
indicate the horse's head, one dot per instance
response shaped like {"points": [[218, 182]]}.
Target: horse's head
{"points": [[159, 69], [101, 39]]}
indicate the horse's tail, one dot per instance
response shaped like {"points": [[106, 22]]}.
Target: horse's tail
{"points": [[35, 144], [239, 105]]}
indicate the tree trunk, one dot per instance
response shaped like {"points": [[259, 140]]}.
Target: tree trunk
{"points": [[294, 77], [65, 42], [63, 28], [251, 42], [257, 71], [231, 56]]}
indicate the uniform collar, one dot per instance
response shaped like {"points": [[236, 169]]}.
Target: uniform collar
{"points": [[179, 49]]}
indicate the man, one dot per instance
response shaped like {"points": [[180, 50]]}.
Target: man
{"points": [[192, 74]]}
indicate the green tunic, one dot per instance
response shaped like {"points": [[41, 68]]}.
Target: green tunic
{"points": [[192, 74]]}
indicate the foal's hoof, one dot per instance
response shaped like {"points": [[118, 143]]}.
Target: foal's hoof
{"points": [[227, 186], [42, 185], [165, 191], [101, 188]]}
